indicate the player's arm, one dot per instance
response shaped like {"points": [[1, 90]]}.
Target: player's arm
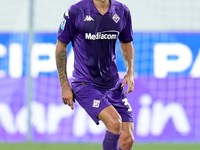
{"points": [[128, 55], [61, 59]]}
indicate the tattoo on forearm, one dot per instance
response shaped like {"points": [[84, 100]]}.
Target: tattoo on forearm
{"points": [[61, 65]]}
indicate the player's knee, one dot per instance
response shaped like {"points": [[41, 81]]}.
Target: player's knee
{"points": [[130, 141], [115, 126], [127, 143]]}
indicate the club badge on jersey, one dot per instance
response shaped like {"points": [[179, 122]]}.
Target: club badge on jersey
{"points": [[96, 103], [116, 18]]}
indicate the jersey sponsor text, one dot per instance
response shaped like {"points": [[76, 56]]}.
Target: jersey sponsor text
{"points": [[105, 35]]}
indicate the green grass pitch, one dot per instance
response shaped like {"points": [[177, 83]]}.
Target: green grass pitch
{"points": [[61, 146]]}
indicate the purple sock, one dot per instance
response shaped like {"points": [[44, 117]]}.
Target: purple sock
{"points": [[111, 141]]}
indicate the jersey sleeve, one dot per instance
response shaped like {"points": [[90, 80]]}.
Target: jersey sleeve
{"points": [[126, 35], [67, 28]]}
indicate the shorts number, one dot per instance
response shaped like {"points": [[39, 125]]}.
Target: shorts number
{"points": [[126, 103]]}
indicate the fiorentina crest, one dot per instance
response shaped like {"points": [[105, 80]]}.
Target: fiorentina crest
{"points": [[116, 18], [96, 103]]}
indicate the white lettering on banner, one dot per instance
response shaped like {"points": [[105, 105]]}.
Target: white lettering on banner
{"points": [[56, 113], [154, 120], [15, 60], [162, 65], [47, 120], [81, 117], [87, 124], [38, 118], [22, 120], [195, 72], [144, 116], [161, 115], [3, 52], [7, 119], [38, 65], [48, 65]]}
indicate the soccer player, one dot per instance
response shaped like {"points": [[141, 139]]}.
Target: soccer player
{"points": [[93, 26]]}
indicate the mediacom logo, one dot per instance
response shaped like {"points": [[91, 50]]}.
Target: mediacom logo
{"points": [[105, 35]]}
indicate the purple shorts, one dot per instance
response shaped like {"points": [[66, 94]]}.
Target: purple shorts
{"points": [[94, 101]]}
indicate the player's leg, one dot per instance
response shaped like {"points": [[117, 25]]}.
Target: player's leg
{"points": [[98, 107], [126, 139], [112, 120], [122, 106]]}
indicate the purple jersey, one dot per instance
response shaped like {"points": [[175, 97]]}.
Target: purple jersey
{"points": [[93, 38]]}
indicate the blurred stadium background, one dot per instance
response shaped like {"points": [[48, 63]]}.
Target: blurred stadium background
{"points": [[166, 99]]}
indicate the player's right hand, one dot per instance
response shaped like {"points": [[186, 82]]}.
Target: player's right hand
{"points": [[68, 97], [128, 79]]}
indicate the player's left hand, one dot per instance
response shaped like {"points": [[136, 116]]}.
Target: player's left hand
{"points": [[128, 79]]}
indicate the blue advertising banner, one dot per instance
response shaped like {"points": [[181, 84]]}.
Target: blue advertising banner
{"points": [[165, 102]]}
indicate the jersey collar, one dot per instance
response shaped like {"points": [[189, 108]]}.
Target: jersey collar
{"points": [[94, 9]]}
